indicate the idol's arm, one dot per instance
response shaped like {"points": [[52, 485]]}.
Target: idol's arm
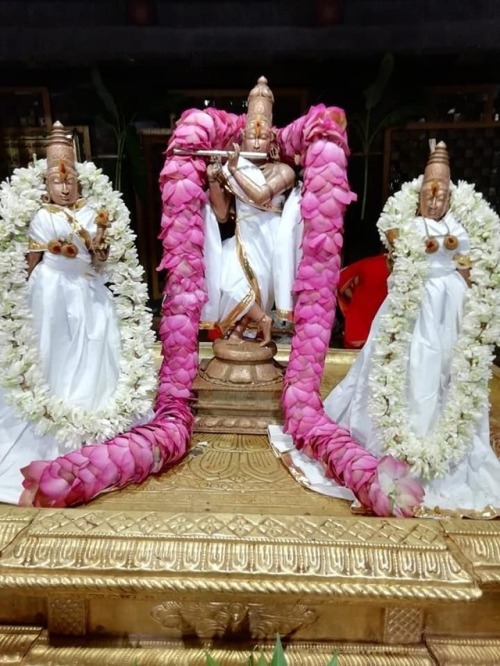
{"points": [[279, 178], [33, 259], [465, 273], [220, 200], [100, 246]]}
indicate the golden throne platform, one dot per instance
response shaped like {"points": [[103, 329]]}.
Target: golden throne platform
{"points": [[227, 550]]}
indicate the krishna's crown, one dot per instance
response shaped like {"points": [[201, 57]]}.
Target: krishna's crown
{"points": [[260, 103]]}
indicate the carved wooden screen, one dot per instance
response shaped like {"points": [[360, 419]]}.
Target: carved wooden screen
{"points": [[474, 150], [154, 143], [19, 145]]}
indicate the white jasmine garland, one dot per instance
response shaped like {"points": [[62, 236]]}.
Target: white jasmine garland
{"points": [[25, 388], [471, 367]]}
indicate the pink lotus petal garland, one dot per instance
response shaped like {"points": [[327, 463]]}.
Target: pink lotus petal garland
{"points": [[131, 457], [382, 486], [320, 138], [182, 233]]}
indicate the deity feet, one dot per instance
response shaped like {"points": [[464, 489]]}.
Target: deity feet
{"points": [[265, 327]]}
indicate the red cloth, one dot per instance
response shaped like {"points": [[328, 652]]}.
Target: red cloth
{"points": [[214, 334], [362, 288]]}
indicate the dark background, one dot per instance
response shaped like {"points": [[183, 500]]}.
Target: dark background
{"points": [[128, 64]]}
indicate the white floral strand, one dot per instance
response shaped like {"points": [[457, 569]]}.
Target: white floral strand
{"points": [[467, 396], [25, 388]]}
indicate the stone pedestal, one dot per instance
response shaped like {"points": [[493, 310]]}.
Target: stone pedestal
{"points": [[239, 389]]}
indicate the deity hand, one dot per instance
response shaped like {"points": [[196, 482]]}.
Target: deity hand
{"points": [[101, 253], [219, 200], [232, 163], [100, 246], [214, 170], [392, 235]]}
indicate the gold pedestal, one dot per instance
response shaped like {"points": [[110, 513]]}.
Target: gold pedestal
{"points": [[226, 550], [239, 389]]}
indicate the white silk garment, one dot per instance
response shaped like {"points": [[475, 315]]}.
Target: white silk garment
{"points": [[78, 339], [246, 269], [287, 254], [474, 483], [212, 255]]}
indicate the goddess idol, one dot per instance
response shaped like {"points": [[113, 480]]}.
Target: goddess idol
{"points": [[416, 398], [76, 354]]}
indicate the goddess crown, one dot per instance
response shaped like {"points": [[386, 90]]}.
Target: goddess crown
{"points": [[60, 153]]}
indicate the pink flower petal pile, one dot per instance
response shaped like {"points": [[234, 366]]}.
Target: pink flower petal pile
{"points": [[319, 137]]}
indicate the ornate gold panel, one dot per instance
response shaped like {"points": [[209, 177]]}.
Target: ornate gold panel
{"points": [[462, 652], [204, 617], [150, 552], [67, 615], [209, 620], [403, 625], [479, 541]]}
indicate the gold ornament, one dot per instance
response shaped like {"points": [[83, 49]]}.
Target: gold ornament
{"points": [[450, 242], [69, 250], [431, 245]]}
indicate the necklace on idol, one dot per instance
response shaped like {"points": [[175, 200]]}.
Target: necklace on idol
{"points": [[450, 241]]}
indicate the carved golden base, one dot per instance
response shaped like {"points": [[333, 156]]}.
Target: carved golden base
{"points": [[31, 646], [226, 550]]}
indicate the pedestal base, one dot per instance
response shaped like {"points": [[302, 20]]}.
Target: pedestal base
{"points": [[239, 389], [226, 550]]}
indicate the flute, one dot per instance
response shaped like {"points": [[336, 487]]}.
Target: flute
{"points": [[219, 153]]}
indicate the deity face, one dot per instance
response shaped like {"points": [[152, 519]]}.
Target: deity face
{"points": [[257, 136], [434, 199], [63, 189]]}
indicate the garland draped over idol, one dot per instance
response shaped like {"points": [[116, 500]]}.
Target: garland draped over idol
{"points": [[113, 461], [471, 367], [382, 485], [25, 388], [319, 138]]}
